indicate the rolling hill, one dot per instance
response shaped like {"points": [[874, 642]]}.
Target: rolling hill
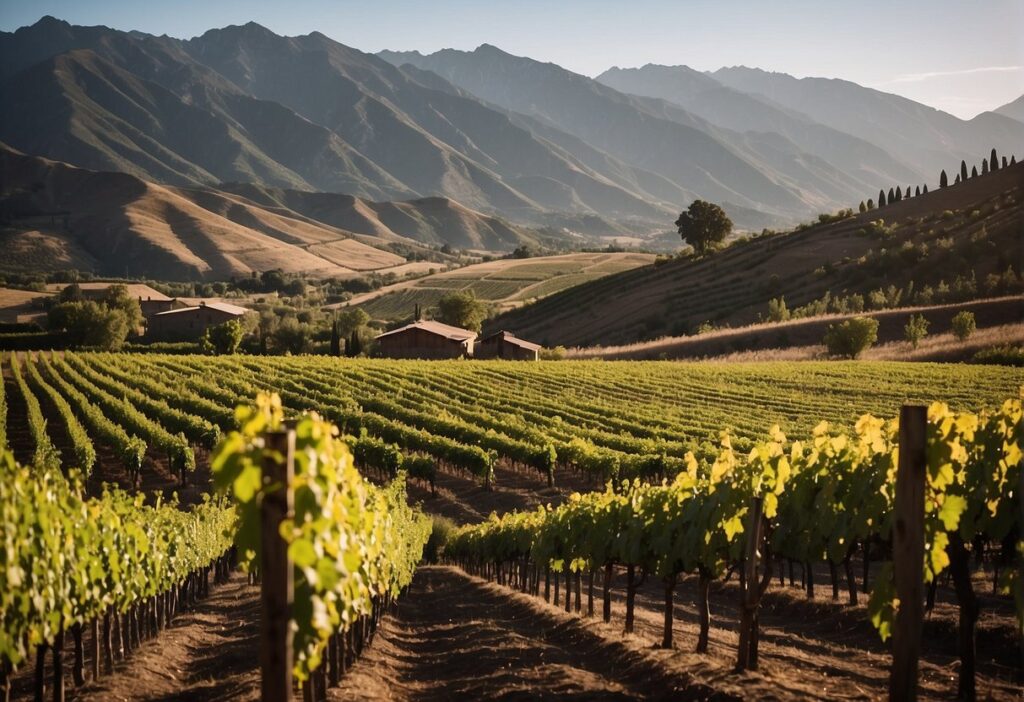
{"points": [[952, 243], [505, 284], [58, 216]]}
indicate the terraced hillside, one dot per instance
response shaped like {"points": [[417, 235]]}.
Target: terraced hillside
{"points": [[507, 283], [948, 241]]}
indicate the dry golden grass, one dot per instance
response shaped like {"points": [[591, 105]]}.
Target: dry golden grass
{"points": [[940, 347]]}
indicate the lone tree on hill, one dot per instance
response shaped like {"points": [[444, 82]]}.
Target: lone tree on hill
{"points": [[963, 170], [993, 162], [943, 180], [703, 226], [881, 198]]}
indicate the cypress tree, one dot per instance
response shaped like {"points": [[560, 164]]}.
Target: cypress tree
{"points": [[899, 194], [924, 190], [1004, 162], [881, 198], [917, 191], [974, 171], [871, 204], [943, 180], [355, 345], [963, 170], [335, 339], [993, 164], [1013, 160], [892, 196], [957, 181], [863, 207], [984, 167]]}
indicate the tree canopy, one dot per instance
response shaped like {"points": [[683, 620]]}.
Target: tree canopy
{"points": [[703, 226], [462, 309]]}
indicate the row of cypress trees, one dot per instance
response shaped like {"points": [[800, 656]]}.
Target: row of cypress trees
{"points": [[896, 194]]}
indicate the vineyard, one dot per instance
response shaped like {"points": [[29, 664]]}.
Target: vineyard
{"points": [[667, 461]]}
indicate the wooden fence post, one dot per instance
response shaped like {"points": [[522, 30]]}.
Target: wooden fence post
{"points": [[750, 592], [908, 553], [277, 588]]}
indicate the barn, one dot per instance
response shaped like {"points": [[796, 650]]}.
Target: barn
{"points": [[426, 339], [504, 345], [187, 323]]}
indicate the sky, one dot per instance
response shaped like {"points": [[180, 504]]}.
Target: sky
{"points": [[961, 56]]}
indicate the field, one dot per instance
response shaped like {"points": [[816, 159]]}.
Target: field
{"points": [[499, 437], [506, 283]]}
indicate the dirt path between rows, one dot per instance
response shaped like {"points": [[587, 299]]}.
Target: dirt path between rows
{"points": [[456, 637], [210, 653]]}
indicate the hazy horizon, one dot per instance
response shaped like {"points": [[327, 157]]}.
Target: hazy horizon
{"points": [[962, 59]]}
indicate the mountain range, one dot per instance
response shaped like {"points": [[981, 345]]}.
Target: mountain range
{"points": [[242, 110]]}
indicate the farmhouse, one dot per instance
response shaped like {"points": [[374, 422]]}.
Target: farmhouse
{"points": [[504, 345], [190, 322], [426, 339]]}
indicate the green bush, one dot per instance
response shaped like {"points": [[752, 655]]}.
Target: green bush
{"points": [[916, 329], [440, 532], [553, 354], [1004, 355], [963, 325], [851, 338]]}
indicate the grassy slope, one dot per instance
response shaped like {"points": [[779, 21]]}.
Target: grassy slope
{"points": [[733, 287], [506, 283], [991, 314]]}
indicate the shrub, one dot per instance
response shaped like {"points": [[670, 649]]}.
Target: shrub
{"points": [[947, 214], [1004, 355], [963, 325], [851, 338], [440, 532], [777, 310], [916, 329], [553, 354]]}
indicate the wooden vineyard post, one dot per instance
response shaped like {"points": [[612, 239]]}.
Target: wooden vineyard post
{"points": [[1020, 565], [277, 589], [908, 553], [750, 593]]}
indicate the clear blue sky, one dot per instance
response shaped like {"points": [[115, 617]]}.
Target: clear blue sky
{"points": [[962, 56]]}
